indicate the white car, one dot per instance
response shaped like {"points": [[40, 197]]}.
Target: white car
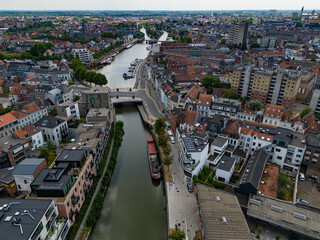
{"points": [[172, 140], [170, 133], [301, 176]]}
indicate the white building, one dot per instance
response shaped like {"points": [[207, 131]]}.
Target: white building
{"points": [[53, 129], [84, 54], [32, 132], [193, 153], [26, 171], [69, 109], [225, 169]]}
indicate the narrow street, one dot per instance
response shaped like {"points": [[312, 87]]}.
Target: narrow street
{"points": [[182, 205]]}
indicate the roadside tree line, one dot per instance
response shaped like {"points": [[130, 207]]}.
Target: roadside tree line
{"points": [[90, 76]]}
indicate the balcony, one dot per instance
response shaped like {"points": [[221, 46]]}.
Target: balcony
{"points": [[59, 230]]}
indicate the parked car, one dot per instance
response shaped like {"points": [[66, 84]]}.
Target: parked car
{"points": [[303, 201], [301, 176], [190, 188], [170, 133], [172, 140]]}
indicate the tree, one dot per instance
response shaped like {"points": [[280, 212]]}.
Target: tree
{"points": [[82, 73], [76, 98], [163, 139], [277, 237], [223, 41], [259, 230], [167, 160], [305, 111], [211, 82], [54, 112], [39, 49], [255, 45], [100, 79], [167, 149], [229, 93], [313, 59], [159, 126], [177, 234], [255, 105]]}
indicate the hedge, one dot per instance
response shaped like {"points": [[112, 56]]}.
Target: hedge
{"points": [[214, 184], [76, 225], [97, 205]]}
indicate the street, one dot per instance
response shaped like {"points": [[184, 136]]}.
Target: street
{"points": [[182, 205]]}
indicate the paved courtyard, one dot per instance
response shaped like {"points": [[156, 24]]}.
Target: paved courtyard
{"points": [[307, 190]]}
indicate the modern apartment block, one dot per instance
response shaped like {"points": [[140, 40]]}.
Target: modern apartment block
{"points": [[27, 219], [238, 33], [67, 183], [315, 101], [274, 86]]}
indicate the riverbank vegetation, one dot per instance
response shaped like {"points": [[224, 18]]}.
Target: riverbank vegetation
{"points": [[97, 205], [76, 225], [164, 145], [107, 49]]}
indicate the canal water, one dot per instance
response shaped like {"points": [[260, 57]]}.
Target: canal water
{"points": [[121, 64], [134, 206]]}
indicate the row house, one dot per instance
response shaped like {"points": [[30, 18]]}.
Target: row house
{"points": [[285, 147]]}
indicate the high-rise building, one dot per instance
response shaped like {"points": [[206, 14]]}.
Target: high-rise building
{"points": [[238, 33], [271, 86], [84, 30]]}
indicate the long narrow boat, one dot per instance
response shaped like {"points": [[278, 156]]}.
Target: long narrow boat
{"points": [[152, 159]]}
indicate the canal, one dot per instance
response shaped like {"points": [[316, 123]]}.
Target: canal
{"points": [[134, 207], [121, 65]]}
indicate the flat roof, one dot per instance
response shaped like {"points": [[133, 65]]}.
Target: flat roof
{"points": [[71, 155], [219, 141], [36, 207], [226, 163], [301, 219], [193, 144], [222, 215]]}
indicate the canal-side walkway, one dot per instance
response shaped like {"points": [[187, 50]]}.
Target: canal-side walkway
{"points": [[79, 235]]}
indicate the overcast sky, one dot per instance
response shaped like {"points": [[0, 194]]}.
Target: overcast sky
{"points": [[156, 4]]}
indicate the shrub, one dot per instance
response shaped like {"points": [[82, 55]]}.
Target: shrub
{"points": [[210, 179]]}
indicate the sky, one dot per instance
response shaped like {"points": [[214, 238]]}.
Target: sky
{"points": [[157, 4]]}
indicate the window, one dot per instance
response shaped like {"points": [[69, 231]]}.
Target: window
{"points": [[278, 150], [25, 181], [278, 157]]}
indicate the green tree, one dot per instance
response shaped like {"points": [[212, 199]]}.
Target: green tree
{"points": [[167, 149], [177, 234], [259, 230], [277, 237], [223, 41], [38, 49], [54, 112], [160, 126], [255, 105], [255, 45], [163, 139], [76, 98], [305, 111], [313, 59], [82, 73], [100, 79], [167, 160], [229, 93], [211, 82]]}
